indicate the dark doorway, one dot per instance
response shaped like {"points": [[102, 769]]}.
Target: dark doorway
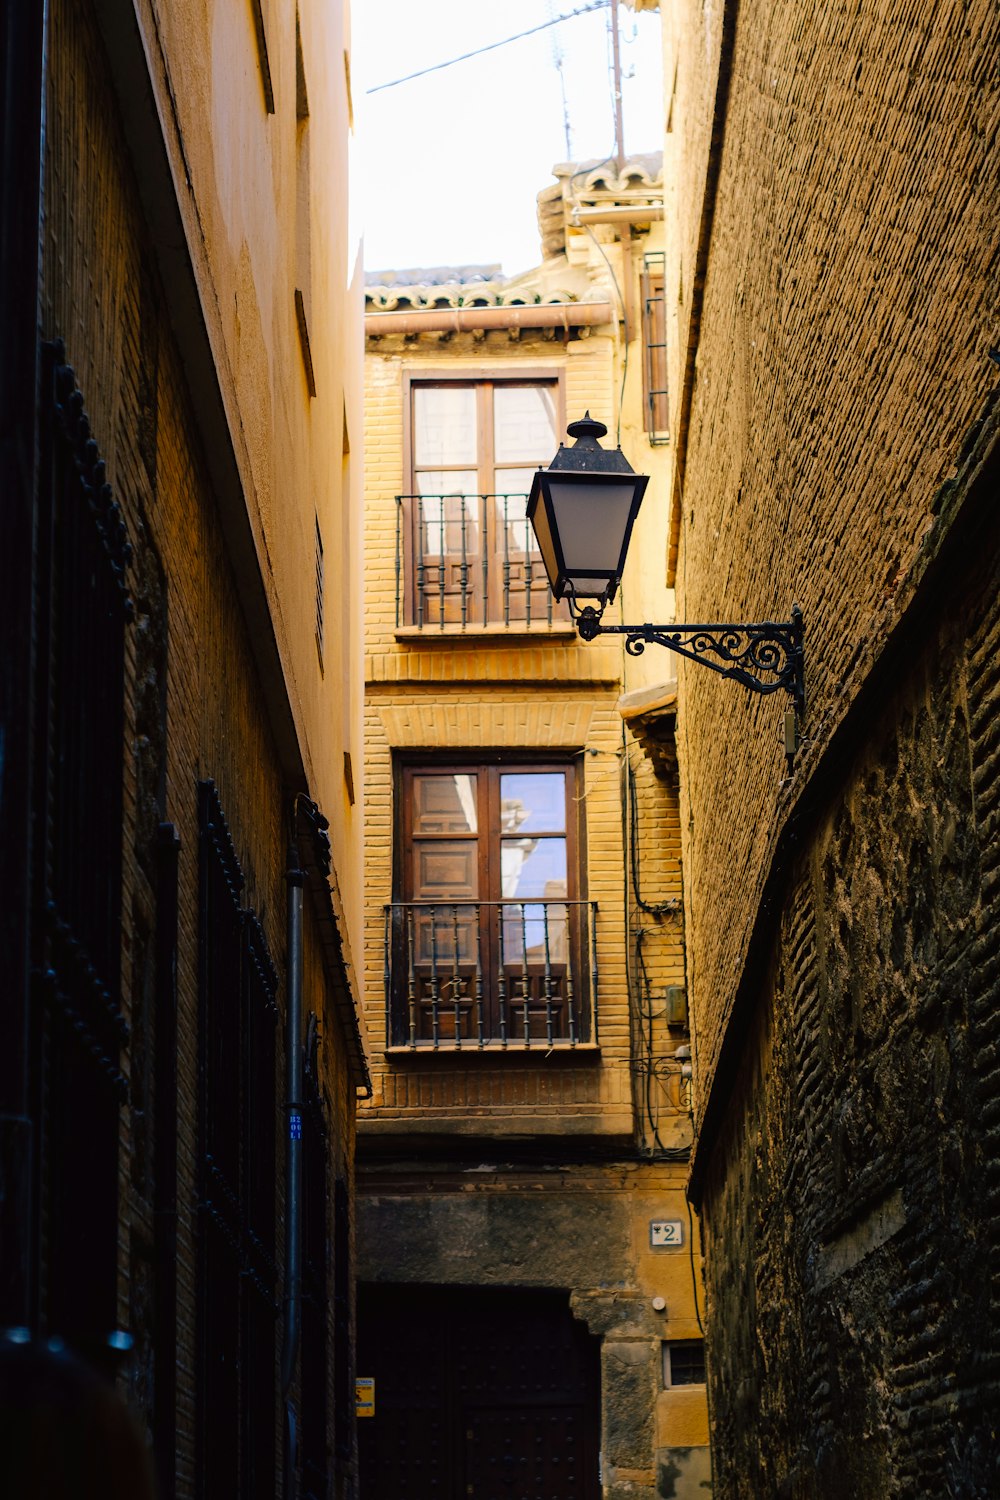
{"points": [[486, 1394]]}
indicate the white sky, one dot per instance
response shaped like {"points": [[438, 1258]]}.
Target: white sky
{"points": [[448, 166]]}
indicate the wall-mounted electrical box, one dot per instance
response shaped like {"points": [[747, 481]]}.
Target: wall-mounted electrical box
{"points": [[677, 1005]]}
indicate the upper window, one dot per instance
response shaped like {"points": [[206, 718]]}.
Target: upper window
{"points": [[489, 940], [470, 555]]}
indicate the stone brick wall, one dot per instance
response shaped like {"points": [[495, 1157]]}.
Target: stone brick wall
{"points": [[850, 1216], [839, 452], [848, 304]]}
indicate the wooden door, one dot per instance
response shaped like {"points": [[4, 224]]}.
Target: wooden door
{"points": [[481, 1393]]}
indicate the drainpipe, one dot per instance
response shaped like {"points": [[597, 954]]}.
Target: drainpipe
{"points": [[563, 315], [295, 878]]}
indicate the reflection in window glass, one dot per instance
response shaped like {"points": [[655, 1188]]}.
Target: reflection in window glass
{"points": [[524, 423], [444, 422], [449, 515], [533, 802], [513, 489], [533, 867], [444, 804]]}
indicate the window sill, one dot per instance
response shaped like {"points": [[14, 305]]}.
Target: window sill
{"points": [[562, 630], [539, 1051]]}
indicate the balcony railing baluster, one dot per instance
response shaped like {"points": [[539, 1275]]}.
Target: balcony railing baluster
{"points": [[435, 992], [525, 977], [480, 1024], [548, 980], [442, 539], [421, 566], [424, 522], [502, 982], [593, 966], [506, 562], [570, 1007], [464, 571], [399, 558], [387, 974], [456, 980], [411, 980], [492, 996]]}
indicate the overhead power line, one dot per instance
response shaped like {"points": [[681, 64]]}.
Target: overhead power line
{"points": [[492, 46]]}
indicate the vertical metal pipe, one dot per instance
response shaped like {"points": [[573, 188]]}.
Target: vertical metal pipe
{"points": [[485, 554], [295, 878]]}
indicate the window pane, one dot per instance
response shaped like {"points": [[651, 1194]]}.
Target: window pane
{"points": [[444, 425], [533, 868], [684, 1362], [533, 802], [524, 423], [513, 531], [448, 516], [444, 803], [535, 934]]}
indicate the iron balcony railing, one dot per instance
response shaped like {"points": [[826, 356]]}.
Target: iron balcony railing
{"points": [[467, 560], [470, 975]]}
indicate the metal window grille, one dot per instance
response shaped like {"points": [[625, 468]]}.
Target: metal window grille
{"points": [[237, 1107], [83, 613], [464, 975], [684, 1362]]}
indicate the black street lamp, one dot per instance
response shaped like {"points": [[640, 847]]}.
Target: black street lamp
{"points": [[582, 509]]}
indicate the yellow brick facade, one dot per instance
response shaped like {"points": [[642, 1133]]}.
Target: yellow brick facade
{"points": [[611, 1117]]}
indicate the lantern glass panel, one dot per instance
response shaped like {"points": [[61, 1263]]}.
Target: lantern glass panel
{"points": [[592, 521]]}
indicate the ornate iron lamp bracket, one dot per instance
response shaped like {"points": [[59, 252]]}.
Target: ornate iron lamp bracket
{"points": [[765, 658]]}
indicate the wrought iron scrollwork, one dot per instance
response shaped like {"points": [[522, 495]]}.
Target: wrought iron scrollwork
{"points": [[765, 657]]}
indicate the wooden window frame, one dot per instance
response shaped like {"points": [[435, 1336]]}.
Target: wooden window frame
{"points": [[480, 378], [488, 767]]}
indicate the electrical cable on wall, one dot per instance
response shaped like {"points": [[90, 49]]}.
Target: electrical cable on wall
{"points": [[645, 1066]]}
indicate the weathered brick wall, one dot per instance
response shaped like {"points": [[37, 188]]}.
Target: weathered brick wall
{"points": [[850, 298], [850, 1210], [189, 651], [841, 924]]}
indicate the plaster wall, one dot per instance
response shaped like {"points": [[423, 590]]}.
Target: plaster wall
{"points": [[194, 707], [254, 100]]}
